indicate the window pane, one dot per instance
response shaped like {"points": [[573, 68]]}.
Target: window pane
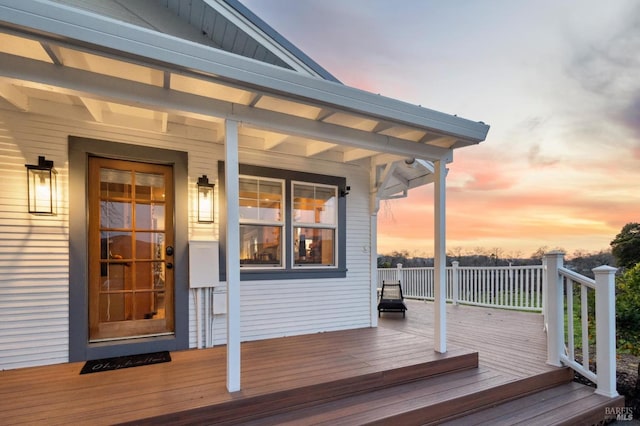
{"points": [[260, 200], [260, 245], [314, 246], [314, 204]]}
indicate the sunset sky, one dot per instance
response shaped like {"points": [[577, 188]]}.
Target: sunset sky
{"points": [[557, 81]]}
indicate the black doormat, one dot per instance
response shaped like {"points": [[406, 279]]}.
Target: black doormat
{"points": [[106, 364]]}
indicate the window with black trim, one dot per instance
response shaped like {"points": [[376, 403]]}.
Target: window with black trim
{"points": [[314, 224], [292, 224], [261, 221]]}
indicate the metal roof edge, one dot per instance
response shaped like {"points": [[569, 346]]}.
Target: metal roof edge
{"points": [[281, 40]]}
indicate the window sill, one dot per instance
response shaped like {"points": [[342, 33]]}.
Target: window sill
{"points": [[292, 274]]}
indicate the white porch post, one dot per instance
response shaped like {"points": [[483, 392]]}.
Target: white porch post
{"points": [[440, 259], [233, 256], [554, 298], [374, 269], [606, 330], [455, 281]]}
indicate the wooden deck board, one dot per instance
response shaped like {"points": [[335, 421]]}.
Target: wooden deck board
{"points": [[197, 378]]}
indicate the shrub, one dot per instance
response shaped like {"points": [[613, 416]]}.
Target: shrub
{"points": [[628, 310]]}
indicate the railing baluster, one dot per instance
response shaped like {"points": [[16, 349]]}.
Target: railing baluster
{"points": [[570, 328], [584, 317]]}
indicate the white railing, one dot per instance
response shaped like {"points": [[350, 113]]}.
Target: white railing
{"points": [[562, 295], [573, 296], [511, 287]]}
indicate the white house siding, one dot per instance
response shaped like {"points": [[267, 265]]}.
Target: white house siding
{"points": [[283, 308], [290, 307], [34, 250]]}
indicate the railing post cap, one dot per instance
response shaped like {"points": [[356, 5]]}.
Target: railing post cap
{"points": [[604, 269], [555, 253], [455, 263]]}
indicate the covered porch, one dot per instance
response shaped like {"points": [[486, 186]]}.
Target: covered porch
{"points": [[344, 377], [77, 84]]}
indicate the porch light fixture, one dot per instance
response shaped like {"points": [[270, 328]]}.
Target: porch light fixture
{"points": [[205, 200], [42, 187]]}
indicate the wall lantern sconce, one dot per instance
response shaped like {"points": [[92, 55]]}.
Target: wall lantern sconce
{"points": [[42, 187], [344, 191], [205, 200]]}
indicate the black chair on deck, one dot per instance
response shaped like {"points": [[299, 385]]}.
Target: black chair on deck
{"points": [[391, 299]]}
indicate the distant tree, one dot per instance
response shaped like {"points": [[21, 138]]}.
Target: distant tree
{"points": [[584, 262], [626, 245], [539, 254]]}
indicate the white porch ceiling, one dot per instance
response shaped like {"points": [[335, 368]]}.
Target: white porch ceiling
{"points": [[50, 93], [278, 110]]}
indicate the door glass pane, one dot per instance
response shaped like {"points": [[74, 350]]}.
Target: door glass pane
{"points": [[150, 216], [149, 187], [116, 245], [115, 214], [144, 305], [112, 307], [117, 276], [150, 245], [115, 183]]}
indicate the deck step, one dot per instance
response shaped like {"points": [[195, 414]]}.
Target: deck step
{"points": [[245, 409], [420, 402], [567, 404]]}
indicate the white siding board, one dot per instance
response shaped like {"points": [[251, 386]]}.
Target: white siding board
{"points": [[34, 257]]}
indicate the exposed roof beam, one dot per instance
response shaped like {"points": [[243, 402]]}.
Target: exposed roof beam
{"points": [[164, 121], [273, 140], [381, 127], [324, 114], [52, 52], [357, 154], [14, 96], [256, 98], [94, 107], [155, 47], [444, 141], [81, 83], [315, 148]]}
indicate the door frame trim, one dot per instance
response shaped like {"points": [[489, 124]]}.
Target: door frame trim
{"points": [[79, 347]]}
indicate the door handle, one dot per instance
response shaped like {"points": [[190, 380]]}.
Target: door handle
{"points": [[169, 265], [169, 250]]}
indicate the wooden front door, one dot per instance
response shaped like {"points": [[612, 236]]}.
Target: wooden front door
{"points": [[131, 289]]}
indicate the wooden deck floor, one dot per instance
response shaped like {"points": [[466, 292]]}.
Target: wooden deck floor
{"points": [[510, 343]]}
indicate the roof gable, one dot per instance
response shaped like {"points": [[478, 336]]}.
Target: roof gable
{"points": [[222, 24]]}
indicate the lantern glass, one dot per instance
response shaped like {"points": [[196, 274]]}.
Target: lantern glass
{"points": [[41, 188], [205, 201]]}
